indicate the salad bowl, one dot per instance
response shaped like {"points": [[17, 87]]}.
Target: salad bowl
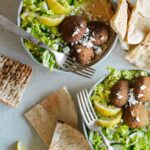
{"points": [[57, 69], [132, 134]]}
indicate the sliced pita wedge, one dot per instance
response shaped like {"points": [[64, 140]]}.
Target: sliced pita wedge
{"points": [[120, 20], [130, 6], [14, 78], [67, 138], [44, 116], [139, 23], [140, 55]]}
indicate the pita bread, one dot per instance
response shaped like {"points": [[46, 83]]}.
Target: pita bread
{"points": [[98, 10], [67, 138], [14, 77], [140, 55], [120, 19], [44, 116], [139, 23], [130, 6]]}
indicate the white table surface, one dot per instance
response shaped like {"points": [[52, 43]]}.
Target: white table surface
{"points": [[13, 125]]}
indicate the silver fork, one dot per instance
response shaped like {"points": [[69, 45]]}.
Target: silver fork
{"points": [[63, 61], [89, 116]]}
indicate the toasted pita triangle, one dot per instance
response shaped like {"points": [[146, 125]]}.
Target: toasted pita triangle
{"points": [[120, 19], [140, 55], [139, 23], [68, 138], [44, 116]]}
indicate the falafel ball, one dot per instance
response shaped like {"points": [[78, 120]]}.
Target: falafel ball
{"points": [[119, 93], [82, 54], [73, 28], [99, 32], [142, 89], [136, 116]]}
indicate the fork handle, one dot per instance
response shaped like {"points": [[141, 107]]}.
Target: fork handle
{"points": [[107, 143], [12, 27]]}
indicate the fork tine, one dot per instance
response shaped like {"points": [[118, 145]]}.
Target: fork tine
{"points": [[80, 66], [87, 106], [72, 65], [67, 67], [90, 104], [81, 109]]}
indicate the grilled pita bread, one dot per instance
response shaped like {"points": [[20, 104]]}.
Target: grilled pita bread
{"points": [[139, 23], [140, 55], [67, 138], [14, 77], [44, 116], [120, 20]]}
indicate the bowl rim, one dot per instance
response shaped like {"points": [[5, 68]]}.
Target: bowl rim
{"points": [[105, 54], [90, 92]]}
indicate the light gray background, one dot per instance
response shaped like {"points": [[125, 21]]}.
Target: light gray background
{"points": [[13, 125]]}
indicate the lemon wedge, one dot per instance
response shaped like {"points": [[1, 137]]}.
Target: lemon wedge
{"points": [[110, 122], [51, 21], [57, 8], [20, 146], [106, 110]]}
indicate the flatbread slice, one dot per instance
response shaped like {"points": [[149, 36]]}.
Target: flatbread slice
{"points": [[139, 23], [44, 116], [14, 78], [120, 20], [130, 6], [68, 138], [140, 55]]}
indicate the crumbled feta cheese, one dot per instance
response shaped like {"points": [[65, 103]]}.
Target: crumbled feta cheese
{"points": [[132, 113], [119, 95], [140, 95], [143, 87], [81, 25], [102, 38], [86, 42], [87, 30], [131, 99], [76, 32], [138, 119], [78, 50], [89, 44], [92, 39], [98, 51]]}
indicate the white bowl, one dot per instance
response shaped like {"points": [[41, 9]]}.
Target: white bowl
{"points": [[107, 52], [85, 129]]}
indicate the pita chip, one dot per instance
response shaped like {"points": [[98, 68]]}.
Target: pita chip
{"points": [[139, 23], [140, 55], [68, 138], [120, 20], [59, 106], [14, 77]]}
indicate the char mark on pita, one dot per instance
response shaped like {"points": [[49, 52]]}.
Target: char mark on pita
{"points": [[14, 77]]}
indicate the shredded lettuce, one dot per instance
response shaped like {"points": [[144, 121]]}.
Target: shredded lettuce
{"points": [[130, 139], [49, 35]]}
